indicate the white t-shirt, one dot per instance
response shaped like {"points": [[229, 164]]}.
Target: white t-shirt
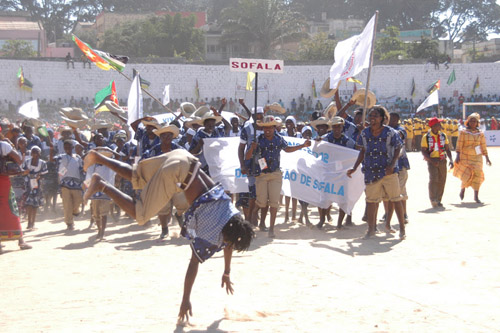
{"points": [[5, 148]]}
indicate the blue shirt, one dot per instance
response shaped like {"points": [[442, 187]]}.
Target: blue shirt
{"points": [[156, 150], [35, 141], [143, 141], [70, 169], [201, 134], [403, 161], [342, 141], [204, 222], [270, 150], [379, 152], [350, 129]]}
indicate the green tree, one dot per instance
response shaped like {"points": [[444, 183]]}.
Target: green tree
{"points": [[265, 23], [453, 18], [164, 36], [319, 47], [390, 47], [424, 49], [17, 49]]}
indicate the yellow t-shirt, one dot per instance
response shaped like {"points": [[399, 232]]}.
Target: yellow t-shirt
{"points": [[417, 128], [434, 151], [409, 131]]}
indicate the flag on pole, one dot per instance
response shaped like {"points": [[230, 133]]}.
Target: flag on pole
{"points": [[30, 109], [353, 79], [92, 55], [413, 88], [144, 83], [24, 83], [250, 78], [315, 93], [166, 95], [117, 62], [134, 101], [106, 94], [476, 85], [434, 86], [432, 99], [197, 90], [452, 78], [352, 55]]}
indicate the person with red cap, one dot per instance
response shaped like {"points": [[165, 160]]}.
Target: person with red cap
{"points": [[435, 148]]}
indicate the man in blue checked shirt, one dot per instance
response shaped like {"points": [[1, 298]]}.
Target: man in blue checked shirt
{"points": [[212, 223]]}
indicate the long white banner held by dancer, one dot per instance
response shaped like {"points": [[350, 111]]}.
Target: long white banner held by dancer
{"points": [[316, 174]]}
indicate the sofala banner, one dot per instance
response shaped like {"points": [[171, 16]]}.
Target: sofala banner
{"points": [[316, 174]]}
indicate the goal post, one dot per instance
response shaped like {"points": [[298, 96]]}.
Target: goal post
{"points": [[465, 105]]}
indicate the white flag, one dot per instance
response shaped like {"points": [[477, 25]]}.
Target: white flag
{"points": [[352, 55], [432, 99], [166, 95], [134, 101], [30, 109]]}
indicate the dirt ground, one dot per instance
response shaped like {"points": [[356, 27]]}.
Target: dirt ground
{"points": [[444, 277]]}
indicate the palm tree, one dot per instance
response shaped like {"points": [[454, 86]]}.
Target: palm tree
{"points": [[264, 22]]}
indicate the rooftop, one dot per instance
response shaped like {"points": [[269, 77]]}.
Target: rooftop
{"points": [[19, 25]]}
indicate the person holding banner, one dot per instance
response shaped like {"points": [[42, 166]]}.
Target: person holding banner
{"points": [[212, 222], [337, 137], [380, 148], [268, 182]]}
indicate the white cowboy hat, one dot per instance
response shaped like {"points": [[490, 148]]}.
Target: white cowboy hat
{"points": [[75, 123], [73, 113], [359, 98], [35, 122], [337, 121], [269, 121], [320, 121], [187, 109], [100, 124], [210, 115], [331, 110], [193, 120], [200, 112], [152, 122], [276, 107], [112, 106], [326, 92], [167, 128]]}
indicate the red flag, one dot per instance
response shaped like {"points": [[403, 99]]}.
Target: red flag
{"points": [[91, 55]]}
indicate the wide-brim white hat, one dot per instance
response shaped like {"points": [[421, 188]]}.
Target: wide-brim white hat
{"points": [[167, 128], [269, 121], [276, 107], [112, 106], [210, 115], [193, 120], [337, 121], [153, 123], [75, 123], [320, 121], [331, 110], [73, 113], [100, 124], [187, 109], [326, 92], [359, 98]]}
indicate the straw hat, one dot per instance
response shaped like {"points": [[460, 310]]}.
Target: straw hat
{"points": [[153, 122], [269, 121], [210, 115], [112, 106], [75, 123], [104, 151], [337, 121], [359, 98], [35, 122], [187, 109], [98, 124], [73, 113], [331, 110], [326, 92], [193, 120], [276, 107], [200, 112], [320, 121], [167, 128]]}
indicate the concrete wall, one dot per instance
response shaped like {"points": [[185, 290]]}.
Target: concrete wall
{"points": [[52, 80]]}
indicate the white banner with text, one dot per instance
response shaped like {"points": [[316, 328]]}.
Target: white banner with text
{"points": [[316, 175]]}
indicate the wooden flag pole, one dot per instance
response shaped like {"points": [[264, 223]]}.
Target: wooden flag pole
{"points": [[370, 68]]}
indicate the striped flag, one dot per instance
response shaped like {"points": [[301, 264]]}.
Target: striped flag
{"points": [[476, 85], [353, 79], [434, 86], [413, 88], [144, 83], [92, 55], [106, 94], [23, 82], [315, 93]]}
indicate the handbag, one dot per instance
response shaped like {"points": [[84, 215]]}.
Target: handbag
{"points": [[9, 167]]}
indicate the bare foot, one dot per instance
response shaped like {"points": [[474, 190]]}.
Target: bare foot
{"points": [[389, 229], [90, 159], [96, 185]]}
